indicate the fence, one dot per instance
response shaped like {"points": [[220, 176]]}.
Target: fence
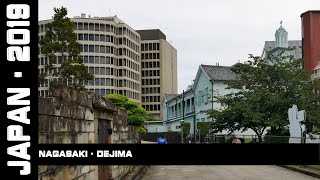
{"points": [[266, 139], [172, 137]]}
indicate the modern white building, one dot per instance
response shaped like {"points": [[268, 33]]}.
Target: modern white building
{"points": [[110, 50]]}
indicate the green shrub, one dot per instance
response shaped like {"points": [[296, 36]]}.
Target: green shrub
{"points": [[136, 120], [141, 129]]}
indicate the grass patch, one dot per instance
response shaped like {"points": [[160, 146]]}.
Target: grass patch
{"points": [[317, 167]]}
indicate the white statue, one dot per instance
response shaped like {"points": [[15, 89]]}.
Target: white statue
{"points": [[295, 117]]}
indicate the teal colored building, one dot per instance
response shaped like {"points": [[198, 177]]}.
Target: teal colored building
{"points": [[208, 84]]}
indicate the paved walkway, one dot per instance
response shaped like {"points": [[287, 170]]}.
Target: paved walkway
{"points": [[222, 173]]}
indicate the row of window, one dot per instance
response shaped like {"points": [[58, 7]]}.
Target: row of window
{"points": [[150, 73], [112, 82], [104, 92], [96, 37], [99, 71], [153, 64], [150, 81], [113, 72], [99, 49], [101, 82], [150, 47], [129, 84], [110, 50], [151, 90], [150, 98], [150, 55], [178, 107], [108, 38], [151, 107], [99, 27], [106, 28]]}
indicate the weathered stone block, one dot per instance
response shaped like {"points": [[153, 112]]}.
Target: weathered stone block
{"points": [[42, 169], [91, 138], [83, 169], [43, 138], [70, 172], [82, 138], [43, 105], [43, 123], [88, 114], [91, 126]]}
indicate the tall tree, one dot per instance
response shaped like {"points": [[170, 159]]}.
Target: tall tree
{"points": [[61, 48], [267, 88]]}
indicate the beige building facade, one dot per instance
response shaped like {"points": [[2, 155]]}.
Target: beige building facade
{"points": [[158, 70], [110, 50]]}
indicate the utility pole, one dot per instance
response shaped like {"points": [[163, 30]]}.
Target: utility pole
{"points": [[182, 121]]}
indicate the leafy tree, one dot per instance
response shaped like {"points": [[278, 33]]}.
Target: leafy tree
{"points": [[186, 129], [136, 114], [267, 88], [60, 42]]}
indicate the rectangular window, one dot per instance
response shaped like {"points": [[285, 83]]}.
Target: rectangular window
{"points": [[158, 46], [85, 48], [102, 38], [108, 60], [102, 27], [206, 95], [102, 60], [80, 37], [96, 37], [108, 29], [85, 37], [80, 26], [96, 81], [97, 60], [85, 59], [97, 71], [91, 70], [102, 81], [86, 27], [91, 37], [91, 59], [107, 71], [107, 38], [107, 49], [96, 49], [96, 27], [154, 46], [108, 82], [91, 48], [102, 49], [91, 26], [102, 71]]}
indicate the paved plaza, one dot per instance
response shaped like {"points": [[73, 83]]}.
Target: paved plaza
{"points": [[223, 173]]}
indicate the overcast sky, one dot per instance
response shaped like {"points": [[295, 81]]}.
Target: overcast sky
{"points": [[202, 31]]}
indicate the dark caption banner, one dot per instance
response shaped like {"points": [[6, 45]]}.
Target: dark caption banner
{"points": [[19, 75], [178, 154]]}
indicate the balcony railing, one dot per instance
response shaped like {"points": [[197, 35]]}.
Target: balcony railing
{"points": [[179, 113]]}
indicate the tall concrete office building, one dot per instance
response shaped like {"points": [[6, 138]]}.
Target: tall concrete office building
{"points": [[110, 50], [159, 70]]}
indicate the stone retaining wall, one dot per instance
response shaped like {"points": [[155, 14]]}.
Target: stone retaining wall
{"points": [[68, 116]]}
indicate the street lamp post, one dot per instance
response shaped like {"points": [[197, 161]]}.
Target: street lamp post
{"points": [[181, 124]]}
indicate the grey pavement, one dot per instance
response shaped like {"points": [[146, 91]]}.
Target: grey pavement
{"points": [[242, 172]]}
